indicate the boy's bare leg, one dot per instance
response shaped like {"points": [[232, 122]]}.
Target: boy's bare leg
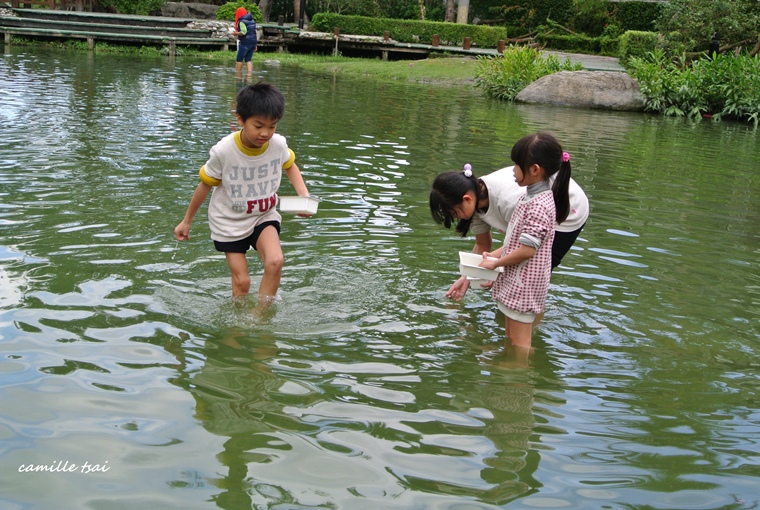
{"points": [[270, 252], [241, 280]]}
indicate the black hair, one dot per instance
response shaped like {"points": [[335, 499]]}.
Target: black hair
{"points": [[261, 99], [448, 190], [544, 150]]}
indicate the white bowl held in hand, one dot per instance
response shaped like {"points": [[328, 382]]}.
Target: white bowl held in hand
{"points": [[299, 205], [469, 266]]}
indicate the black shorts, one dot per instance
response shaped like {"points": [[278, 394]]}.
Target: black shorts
{"points": [[562, 243], [242, 245]]}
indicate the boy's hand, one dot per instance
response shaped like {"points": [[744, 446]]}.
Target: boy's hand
{"points": [[182, 232]]}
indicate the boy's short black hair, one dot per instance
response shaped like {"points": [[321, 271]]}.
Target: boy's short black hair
{"points": [[261, 99]]}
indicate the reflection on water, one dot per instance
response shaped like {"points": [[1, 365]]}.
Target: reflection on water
{"points": [[362, 386]]}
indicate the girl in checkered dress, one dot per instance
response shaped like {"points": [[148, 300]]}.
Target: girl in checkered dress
{"points": [[520, 291]]}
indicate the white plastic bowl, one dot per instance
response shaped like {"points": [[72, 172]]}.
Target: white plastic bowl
{"points": [[469, 266], [299, 205]]}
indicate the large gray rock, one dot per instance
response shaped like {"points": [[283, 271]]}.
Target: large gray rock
{"points": [[607, 90], [194, 10]]}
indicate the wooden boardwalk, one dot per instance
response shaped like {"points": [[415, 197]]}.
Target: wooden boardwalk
{"points": [[173, 32]]}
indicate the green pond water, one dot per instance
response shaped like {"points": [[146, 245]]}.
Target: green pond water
{"points": [[129, 374]]}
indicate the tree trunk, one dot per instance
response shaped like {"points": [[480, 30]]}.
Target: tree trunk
{"points": [[450, 11], [265, 6], [296, 10], [756, 49]]}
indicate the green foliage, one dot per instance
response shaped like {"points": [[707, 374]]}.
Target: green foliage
{"points": [[410, 31], [591, 17], [227, 11], [396, 9], [726, 86], [636, 44], [690, 24], [504, 77], [142, 7], [639, 16], [523, 16]]}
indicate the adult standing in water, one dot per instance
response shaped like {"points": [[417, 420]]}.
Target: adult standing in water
{"points": [[245, 30]]}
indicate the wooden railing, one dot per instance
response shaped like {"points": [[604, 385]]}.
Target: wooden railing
{"points": [[64, 5]]}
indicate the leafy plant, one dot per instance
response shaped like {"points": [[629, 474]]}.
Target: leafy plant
{"points": [[725, 86], [504, 77], [142, 7], [227, 11]]}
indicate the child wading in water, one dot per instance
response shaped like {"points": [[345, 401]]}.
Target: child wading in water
{"points": [[244, 170], [520, 291]]}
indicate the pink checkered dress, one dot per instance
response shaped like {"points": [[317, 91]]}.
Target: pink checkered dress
{"points": [[523, 287]]}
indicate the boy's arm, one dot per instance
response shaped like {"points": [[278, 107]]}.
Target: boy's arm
{"points": [[182, 231], [296, 179]]}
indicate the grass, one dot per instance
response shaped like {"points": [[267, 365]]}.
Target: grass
{"points": [[451, 71], [440, 70]]}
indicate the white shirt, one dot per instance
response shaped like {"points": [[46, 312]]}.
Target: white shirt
{"points": [[504, 194]]}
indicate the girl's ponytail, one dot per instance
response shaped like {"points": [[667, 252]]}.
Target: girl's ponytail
{"points": [[561, 189], [544, 150]]}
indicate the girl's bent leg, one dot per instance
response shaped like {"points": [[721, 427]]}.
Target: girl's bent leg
{"points": [[241, 280], [270, 252]]}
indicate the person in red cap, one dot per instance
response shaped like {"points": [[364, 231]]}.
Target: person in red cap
{"points": [[245, 30]]}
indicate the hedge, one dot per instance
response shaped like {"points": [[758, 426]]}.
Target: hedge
{"points": [[636, 44], [410, 31]]}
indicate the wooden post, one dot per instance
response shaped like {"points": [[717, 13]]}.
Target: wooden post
{"points": [[90, 43], [500, 47], [336, 35], [172, 48], [467, 42], [385, 55], [435, 40], [8, 38]]}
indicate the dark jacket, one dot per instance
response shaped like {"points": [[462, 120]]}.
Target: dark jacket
{"points": [[249, 39]]}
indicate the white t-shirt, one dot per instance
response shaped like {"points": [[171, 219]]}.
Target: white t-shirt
{"points": [[503, 195], [245, 185]]}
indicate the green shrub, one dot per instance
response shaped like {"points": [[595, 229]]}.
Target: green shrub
{"points": [[141, 7], [726, 86], [641, 16], [591, 16], [505, 76], [575, 43], [636, 44], [527, 15], [410, 31], [227, 11]]}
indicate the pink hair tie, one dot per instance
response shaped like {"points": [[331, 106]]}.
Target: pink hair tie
{"points": [[467, 170], [565, 157]]}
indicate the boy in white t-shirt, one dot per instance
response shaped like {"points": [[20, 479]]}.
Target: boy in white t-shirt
{"points": [[244, 170]]}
